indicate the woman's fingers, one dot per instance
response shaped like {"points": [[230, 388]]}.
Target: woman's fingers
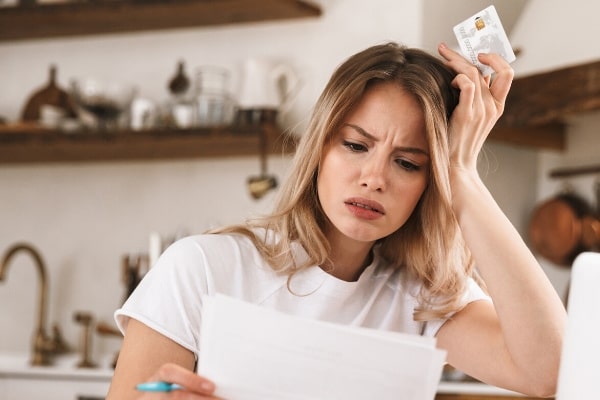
{"points": [[500, 84], [191, 381], [467, 92], [456, 61]]}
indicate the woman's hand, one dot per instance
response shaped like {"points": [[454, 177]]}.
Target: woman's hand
{"points": [[481, 103], [148, 356], [194, 385]]}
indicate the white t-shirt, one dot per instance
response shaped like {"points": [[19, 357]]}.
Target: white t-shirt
{"points": [[169, 298]]}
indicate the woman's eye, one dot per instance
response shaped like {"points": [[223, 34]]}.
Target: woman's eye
{"points": [[407, 165], [354, 146]]}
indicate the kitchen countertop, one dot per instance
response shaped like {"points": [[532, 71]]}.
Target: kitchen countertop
{"points": [[16, 365], [474, 388], [64, 367]]}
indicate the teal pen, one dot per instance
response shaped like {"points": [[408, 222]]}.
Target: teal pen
{"points": [[158, 387]]}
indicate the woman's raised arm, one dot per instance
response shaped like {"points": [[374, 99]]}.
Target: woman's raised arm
{"points": [[516, 342]]}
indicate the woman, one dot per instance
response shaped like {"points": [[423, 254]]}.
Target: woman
{"points": [[380, 224]]}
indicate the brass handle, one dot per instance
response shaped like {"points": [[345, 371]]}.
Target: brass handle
{"points": [[103, 328], [86, 320]]}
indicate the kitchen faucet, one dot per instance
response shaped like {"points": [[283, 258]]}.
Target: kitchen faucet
{"points": [[42, 345]]}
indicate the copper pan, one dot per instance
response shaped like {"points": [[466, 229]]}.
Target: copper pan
{"points": [[564, 226]]}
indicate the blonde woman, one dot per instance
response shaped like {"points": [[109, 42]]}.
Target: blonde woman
{"points": [[381, 224]]}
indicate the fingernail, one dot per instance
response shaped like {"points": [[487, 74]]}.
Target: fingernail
{"points": [[443, 45], [208, 386]]}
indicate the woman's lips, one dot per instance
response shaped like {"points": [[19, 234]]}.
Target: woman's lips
{"points": [[364, 208]]}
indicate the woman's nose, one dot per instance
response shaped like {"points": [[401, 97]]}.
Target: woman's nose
{"points": [[374, 174]]}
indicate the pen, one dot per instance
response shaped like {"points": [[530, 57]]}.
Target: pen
{"points": [[158, 386]]}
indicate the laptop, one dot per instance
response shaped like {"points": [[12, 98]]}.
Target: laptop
{"points": [[579, 375]]}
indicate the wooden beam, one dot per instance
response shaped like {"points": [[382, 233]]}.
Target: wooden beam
{"points": [[550, 136], [575, 171], [551, 96], [99, 17]]}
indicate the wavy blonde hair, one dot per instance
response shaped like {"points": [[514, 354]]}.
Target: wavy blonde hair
{"points": [[429, 245]]}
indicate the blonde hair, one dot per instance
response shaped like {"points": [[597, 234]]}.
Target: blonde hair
{"points": [[429, 245]]}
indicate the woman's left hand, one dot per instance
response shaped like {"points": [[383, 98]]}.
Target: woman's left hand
{"points": [[481, 102]]}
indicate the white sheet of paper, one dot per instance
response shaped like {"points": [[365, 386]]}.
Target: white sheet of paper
{"points": [[252, 353]]}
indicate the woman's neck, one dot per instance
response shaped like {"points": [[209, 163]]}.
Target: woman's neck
{"points": [[348, 258]]}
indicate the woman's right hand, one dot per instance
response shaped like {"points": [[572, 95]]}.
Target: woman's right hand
{"points": [[194, 386], [148, 356]]}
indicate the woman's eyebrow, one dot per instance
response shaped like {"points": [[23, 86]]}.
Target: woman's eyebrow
{"points": [[405, 149], [362, 132]]}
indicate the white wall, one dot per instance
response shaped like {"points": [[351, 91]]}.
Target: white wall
{"points": [[554, 34], [84, 217]]}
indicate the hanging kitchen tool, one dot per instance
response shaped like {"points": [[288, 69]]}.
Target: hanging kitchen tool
{"points": [[590, 223], [590, 235], [556, 227], [263, 183], [567, 224], [51, 96]]}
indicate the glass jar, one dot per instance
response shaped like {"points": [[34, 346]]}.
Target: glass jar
{"points": [[214, 103]]}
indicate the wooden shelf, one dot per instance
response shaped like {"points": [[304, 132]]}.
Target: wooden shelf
{"points": [[78, 17], [118, 16], [538, 106], [46, 146]]}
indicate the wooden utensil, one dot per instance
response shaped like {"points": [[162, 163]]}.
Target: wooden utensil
{"points": [[51, 95]]}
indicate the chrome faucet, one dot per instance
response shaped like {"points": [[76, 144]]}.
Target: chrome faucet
{"points": [[42, 345]]}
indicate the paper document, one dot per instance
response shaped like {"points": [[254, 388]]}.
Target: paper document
{"points": [[252, 352]]}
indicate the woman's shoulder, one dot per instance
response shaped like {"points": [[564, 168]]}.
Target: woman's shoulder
{"points": [[211, 251], [226, 261], [221, 244]]}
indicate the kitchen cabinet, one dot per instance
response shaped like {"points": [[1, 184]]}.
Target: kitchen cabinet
{"points": [[76, 18]]}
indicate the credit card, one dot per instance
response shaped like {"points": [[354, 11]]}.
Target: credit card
{"points": [[483, 33]]}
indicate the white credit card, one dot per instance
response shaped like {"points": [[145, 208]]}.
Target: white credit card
{"points": [[483, 33]]}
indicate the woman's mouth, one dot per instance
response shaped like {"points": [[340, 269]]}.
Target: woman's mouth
{"points": [[364, 208]]}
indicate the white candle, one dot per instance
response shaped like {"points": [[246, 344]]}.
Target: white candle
{"points": [[155, 248]]}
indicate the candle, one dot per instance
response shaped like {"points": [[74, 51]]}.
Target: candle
{"points": [[155, 248]]}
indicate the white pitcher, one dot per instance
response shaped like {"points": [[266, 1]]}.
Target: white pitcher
{"points": [[266, 84]]}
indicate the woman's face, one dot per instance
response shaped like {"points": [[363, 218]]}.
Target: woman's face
{"points": [[375, 168]]}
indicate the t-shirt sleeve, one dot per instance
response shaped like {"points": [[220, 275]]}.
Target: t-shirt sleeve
{"points": [[473, 292], [169, 297]]}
